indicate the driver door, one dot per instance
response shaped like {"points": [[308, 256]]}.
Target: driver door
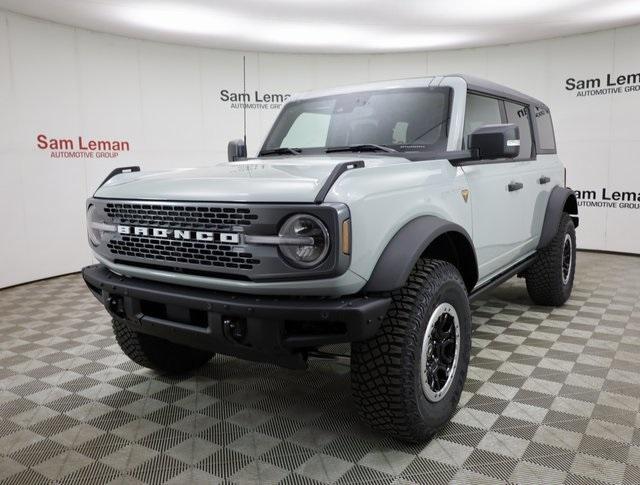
{"points": [[496, 195]]}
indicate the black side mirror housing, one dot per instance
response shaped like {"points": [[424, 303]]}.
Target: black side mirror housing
{"points": [[490, 142], [236, 150]]}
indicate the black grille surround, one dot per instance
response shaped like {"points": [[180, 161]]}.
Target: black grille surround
{"points": [[212, 256]]}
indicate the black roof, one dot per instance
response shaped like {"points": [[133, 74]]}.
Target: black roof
{"points": [[495, 89]]}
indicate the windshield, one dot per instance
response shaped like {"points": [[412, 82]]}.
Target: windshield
{"points": [[410, 119]]}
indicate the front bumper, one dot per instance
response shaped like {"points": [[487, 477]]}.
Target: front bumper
{"points": [[348, 283], [279, 330]]}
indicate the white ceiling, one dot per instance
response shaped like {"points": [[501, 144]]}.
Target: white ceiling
{"points": [[336, 26]]}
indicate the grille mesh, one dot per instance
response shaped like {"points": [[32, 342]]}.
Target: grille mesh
{"points": [[180, 216], [200, 253], [204, 254]]}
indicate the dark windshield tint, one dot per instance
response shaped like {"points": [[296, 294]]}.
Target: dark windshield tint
{"points": [[413, 119]]}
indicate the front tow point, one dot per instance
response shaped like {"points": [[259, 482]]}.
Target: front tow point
{"points": [[116, 306], [235, 328]]}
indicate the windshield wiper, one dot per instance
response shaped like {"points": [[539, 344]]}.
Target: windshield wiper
{"points": [[446, 120], [281, 151], [364, 147]]}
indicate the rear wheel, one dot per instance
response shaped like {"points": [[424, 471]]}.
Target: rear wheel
{"points": [[550, 278], [156, 353], [408, 378]]}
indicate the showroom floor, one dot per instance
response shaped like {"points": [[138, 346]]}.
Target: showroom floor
{"points": [[552, 395]]}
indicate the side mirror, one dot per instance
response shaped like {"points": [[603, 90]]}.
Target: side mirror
{"points": [[236, 150], [495, 141]]}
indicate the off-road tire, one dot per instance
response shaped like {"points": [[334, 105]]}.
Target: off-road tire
{"points": [[156, 353], [386, 369], [545, 282]]}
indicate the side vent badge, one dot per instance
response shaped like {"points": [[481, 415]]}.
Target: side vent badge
{"points": [[465, 194]]}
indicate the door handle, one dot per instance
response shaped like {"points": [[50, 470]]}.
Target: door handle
{"points": [[544, 180], [513, 186]]}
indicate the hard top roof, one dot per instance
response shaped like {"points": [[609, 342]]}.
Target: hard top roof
{"points": [[489, 87], [473, 84]]}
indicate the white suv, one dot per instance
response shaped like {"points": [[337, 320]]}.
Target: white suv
{"points": [[371, 215]]}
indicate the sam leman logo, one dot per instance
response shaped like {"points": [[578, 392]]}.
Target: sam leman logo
{"points": [[608, 84]]}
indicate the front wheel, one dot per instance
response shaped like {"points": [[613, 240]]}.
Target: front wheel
{"points": [[408, 378]]}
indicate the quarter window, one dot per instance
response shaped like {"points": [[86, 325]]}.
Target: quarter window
{"points": [[518, 114], [480, 111], [546, 138]]}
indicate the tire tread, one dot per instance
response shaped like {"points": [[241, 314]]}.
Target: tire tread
{"points": [[382, 374], [544, 276], [155, 353]]}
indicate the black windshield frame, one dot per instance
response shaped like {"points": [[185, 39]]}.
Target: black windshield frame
{"points": [[281, 126]]}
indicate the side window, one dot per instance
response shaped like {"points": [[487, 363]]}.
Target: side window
{"points": [[547, 140], [308, 130], [480, 111], [518, 114]]}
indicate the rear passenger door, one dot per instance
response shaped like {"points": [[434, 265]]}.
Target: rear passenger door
{"points": [[496, 194], [548, 171]]}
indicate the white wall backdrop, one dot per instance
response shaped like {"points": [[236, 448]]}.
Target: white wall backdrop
{"points": [[166, 102]]}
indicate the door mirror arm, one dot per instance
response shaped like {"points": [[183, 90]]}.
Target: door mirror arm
{"points": [[463, 157]]}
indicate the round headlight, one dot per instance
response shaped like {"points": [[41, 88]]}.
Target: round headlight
{"points": [[307, 228]]}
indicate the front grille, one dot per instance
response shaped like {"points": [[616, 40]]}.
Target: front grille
{"points": [[180, 216], [199, 253], [209, 238], [206, 255]]}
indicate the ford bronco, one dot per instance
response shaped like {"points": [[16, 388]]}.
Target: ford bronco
{"points": [[371, 215]]}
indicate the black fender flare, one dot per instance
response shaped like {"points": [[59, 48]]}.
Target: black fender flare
{"points": [[561, 199], [405, 248]]}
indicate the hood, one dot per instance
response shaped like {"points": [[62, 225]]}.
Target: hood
{"points": [[287, 179]]}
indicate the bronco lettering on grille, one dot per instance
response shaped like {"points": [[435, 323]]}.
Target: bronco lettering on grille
{"points": [[229, 238]]}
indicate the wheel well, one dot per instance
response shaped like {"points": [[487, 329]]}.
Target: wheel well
{"points": [[454, 248], [571, 208]]}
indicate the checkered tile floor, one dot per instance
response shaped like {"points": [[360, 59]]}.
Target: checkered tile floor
{"points": [[553, 395]]}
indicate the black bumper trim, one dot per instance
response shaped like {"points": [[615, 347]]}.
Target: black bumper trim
{"points": [[277, 329]]}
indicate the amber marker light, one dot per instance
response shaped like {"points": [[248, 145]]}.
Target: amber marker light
{"points": [[346, 236]]}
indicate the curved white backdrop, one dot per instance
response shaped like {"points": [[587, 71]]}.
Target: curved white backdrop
{"points": [[168, 106]]}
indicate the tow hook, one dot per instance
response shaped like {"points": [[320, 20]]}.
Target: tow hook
{"points": [[116, 306], [236, 328]]}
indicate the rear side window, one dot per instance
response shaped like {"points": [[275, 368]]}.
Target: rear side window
{"points": [[546, 138], [518, 114], [479, 111]]}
